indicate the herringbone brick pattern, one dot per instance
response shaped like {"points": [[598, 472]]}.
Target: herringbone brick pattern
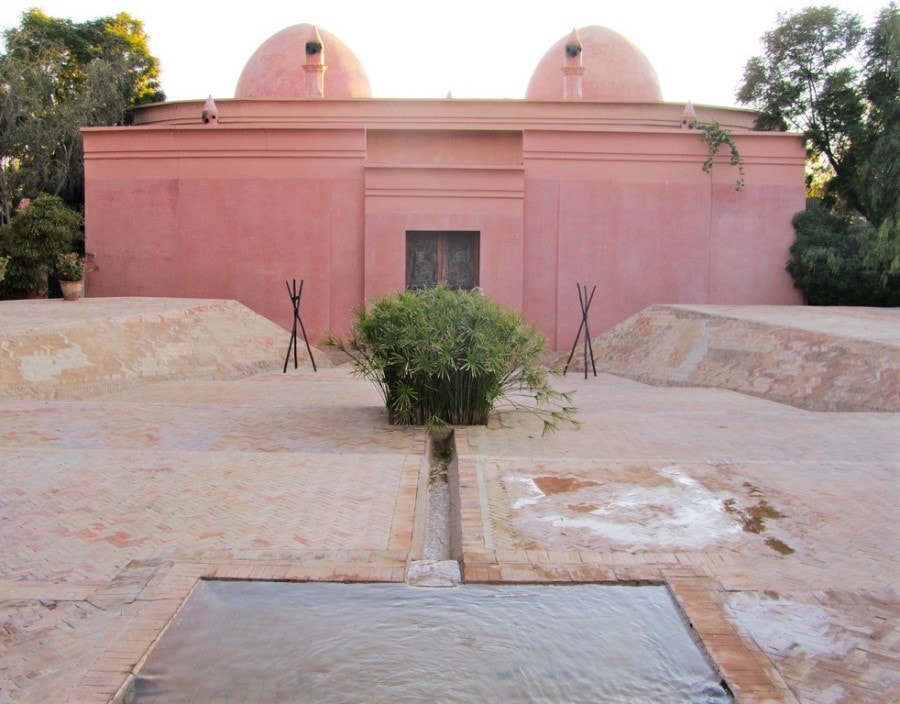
{"points": [[839, 644], [824, 358], [98, 496]]}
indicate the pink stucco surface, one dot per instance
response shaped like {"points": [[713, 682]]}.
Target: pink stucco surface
{"points": [[562, 193], [615, 69], [275, 68]]}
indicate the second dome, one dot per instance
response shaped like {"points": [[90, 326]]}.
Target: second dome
{"points": [[615, 70]]}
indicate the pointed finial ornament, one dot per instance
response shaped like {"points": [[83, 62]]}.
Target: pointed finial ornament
{"points": [[574, 47], [314, 46], [210, 113], [573, 67], [688, 116], [314, 68]]}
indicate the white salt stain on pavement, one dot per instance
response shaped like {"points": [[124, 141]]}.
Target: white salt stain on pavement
{"points": [[787, 628], [677, 513], [533, 494]]}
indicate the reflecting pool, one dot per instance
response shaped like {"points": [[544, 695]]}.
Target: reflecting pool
{"points": [[321, 642]]}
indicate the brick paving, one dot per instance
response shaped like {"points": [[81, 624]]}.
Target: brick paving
{"points": [[106, 501], [773, 526], [785, 516]]}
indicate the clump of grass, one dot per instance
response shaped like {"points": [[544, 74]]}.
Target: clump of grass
{"points": [[444, 357]]}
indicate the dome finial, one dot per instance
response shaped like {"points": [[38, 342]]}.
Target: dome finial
{"points": [[315, 64], [573, 46], [573, 67], [314, 46]]}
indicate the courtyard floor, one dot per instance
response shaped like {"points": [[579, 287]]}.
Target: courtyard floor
{"points": [[774, 527]]}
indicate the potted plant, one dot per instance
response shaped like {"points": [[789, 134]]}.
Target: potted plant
{"points": [[70, 272]]}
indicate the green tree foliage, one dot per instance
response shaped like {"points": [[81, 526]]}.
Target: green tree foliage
{"points": [[34, 241], [806, 81], [449, 357], [878, 180], [57, 76], [825, 75], [832, 263]]}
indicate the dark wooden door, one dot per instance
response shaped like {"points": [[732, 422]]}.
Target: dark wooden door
{"points": [[449, 258]]}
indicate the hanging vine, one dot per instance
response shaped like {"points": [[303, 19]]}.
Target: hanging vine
{"points": [[715, 136]]}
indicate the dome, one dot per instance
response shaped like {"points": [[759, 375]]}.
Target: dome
{"points": [[276, 68], [615, 70]]}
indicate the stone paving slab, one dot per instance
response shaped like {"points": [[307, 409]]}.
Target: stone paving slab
{"points": [[870, 324], [827, 359], [62, 349]]}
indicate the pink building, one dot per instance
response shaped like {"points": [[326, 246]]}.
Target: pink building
{"points": [[590, 179]]}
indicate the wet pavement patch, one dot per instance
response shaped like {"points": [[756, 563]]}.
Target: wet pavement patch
{"points": [[754, 518], [321, 642]]}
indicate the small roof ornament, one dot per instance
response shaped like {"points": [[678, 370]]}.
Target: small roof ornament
{"points": [[315, 67], [573, 47], [314, 45], [210, 113], [573, 67], [688, 116]]}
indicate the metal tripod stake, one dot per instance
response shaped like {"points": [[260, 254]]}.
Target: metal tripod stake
{"points": [[585, 303], [295, 295]]}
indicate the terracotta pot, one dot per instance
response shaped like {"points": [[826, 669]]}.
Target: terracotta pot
{"points": [[71, 290]]}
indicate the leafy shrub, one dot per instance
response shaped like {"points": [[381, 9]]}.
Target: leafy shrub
{"points": [[832, 261], [448, 357], [34, 240]]}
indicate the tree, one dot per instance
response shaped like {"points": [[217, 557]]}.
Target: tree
{"points": [[879, 174], [824, 75], [833, 264], [56, 77], [806, 82], [33, 242]]}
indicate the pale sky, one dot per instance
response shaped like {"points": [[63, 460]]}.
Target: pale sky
{"points": [[475, 49]]}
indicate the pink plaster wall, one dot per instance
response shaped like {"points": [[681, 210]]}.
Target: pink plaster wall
{"points": [[634, 215], [561, 193], [230, 219], [456, 193]]}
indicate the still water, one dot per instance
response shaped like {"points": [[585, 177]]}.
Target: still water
{"points": [[287, 642]]}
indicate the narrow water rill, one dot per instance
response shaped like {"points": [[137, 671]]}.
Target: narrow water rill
{"points": [[436, 543]]}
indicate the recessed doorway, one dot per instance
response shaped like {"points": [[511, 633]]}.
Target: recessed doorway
{"points": [[442, 257]]}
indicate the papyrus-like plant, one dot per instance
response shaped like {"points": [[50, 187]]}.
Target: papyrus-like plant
{"points": [[449, 357]]}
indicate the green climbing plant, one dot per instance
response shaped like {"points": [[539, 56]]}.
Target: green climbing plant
{"points": [[714, 136]]}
